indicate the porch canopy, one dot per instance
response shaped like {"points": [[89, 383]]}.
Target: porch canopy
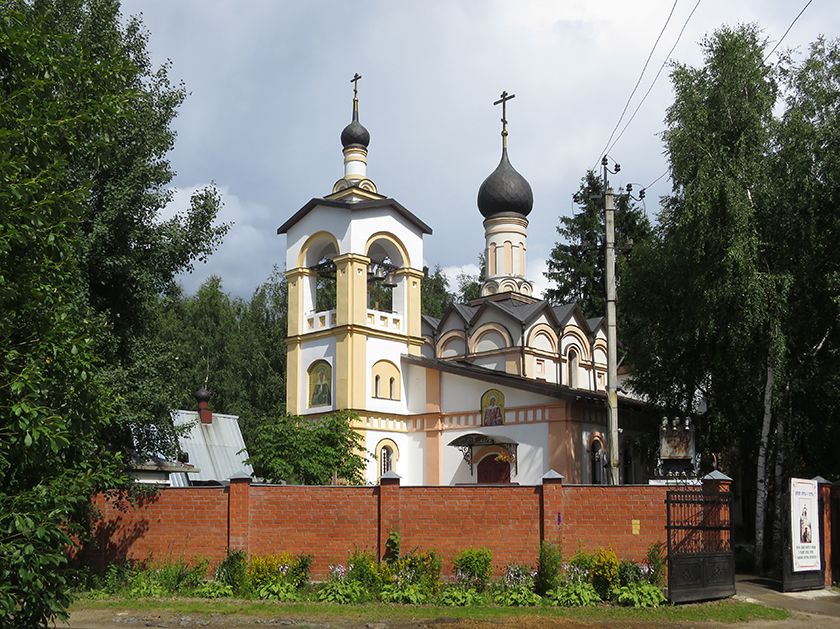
{"points": [[467, 444]]}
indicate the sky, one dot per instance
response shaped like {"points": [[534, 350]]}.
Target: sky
{"points": [[269, 93]]}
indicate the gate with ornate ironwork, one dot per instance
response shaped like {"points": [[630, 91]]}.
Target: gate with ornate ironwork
{"points": [[701, 565]]}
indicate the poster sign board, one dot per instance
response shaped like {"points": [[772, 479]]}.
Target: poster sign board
{"points": [[805, 524]]}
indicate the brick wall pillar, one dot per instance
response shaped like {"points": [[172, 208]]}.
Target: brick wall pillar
{"points": [[825, 496], [239, 512], [389, 508], [717, 513], [551, 508]]}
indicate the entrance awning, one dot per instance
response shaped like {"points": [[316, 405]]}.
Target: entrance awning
{"points": [[467, 443]]}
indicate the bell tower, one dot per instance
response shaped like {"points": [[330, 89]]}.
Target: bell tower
{"points": [[354, 263]]}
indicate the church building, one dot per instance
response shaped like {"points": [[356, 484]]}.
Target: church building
{"points": [[499, 390]]}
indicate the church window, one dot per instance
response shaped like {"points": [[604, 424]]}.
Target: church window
{"points": [[386, 460], [597, 461], [385, 371], [573, 369], [387, 456], [491, 260]]}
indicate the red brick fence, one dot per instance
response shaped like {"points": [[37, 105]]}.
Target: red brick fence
{"points": [[329, 522]]}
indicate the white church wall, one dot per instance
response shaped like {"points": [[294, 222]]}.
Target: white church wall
{"points": [[382, 349], [495, 316], [531, 452], [369, 222], [414, 378], [408, 461], [310, 351], [459, 394], [332, 220], [449, 323], [496, 362]]}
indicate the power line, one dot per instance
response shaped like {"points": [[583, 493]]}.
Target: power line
{"points": [[662, 67], [778, 43], [641, 75], [655, 180]]}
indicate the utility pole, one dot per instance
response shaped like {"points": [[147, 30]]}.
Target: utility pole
{"points": [[612, 369]]}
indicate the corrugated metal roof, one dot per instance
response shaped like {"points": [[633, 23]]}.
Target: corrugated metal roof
{"points": [[217, 449]]}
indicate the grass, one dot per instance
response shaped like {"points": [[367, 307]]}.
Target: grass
{"points": [[720, 611]]}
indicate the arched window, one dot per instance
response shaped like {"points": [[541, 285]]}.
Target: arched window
{"points": [[597, 462], [386, 460], [385, 371], [573, 368]]}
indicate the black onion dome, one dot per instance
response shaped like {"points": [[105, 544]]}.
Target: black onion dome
{"points": [[202, 395], [355, 133], [505, 190]]}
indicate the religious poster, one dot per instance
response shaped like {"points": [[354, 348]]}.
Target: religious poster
{"points": [[492, 408], [805, 524], [676, 440], [320, 384]]}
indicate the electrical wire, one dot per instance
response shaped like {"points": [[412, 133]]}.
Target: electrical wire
{"points": [[639, 80], [662, 67], [655, 180], [778, 43]]}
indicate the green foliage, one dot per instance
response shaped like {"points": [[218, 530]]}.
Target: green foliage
{"points": [[401, 591], [214, 589], [146, 584], [392, 547], [548, 568], [363, 568], [473, 567], [308, 451], [118, 577], [605, 572], [640, 594], [283, 567], [576, 265], [629, 572], [434, 293], [414, 568], [573, 594], [233, 571], [656, 564], [516, 596], [343, 592], [277, 589], [581, 567], [457, 596]]}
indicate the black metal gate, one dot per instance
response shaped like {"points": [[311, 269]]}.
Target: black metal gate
{"points": [[701, 565]]}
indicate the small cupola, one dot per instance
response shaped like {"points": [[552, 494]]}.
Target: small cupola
{"points": [[505, 190], [354, 142]]}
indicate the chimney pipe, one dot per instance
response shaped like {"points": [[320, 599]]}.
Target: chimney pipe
{"points": [[202, 396]]}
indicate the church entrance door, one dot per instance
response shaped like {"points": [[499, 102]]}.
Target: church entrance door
{"points": [[492, 470]]}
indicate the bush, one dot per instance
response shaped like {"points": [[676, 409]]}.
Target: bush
{"points": [[605, 572], [214, 589], [573, 594], [640, 594], [343, 592], [401, 592], [656, 564], [233, 571], [392, 547], [363, 568], [580, 567], [517, 575], [278, 590], [118, 577], [472, 567], [285, 567], [415, 568], [548, 568], [629, 572], [517, 596], [456, 596]]}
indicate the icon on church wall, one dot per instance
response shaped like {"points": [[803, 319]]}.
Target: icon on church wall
{"points": [[320, 384], [492, 408]]}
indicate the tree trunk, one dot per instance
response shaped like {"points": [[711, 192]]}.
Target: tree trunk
{"points": [[778, 489], [761, 471]]}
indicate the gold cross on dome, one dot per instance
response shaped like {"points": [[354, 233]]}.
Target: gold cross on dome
{"points": [[505, 97], [355, 82]]}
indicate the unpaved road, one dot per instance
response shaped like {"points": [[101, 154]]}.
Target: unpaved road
{"points": [[110, 619]]}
